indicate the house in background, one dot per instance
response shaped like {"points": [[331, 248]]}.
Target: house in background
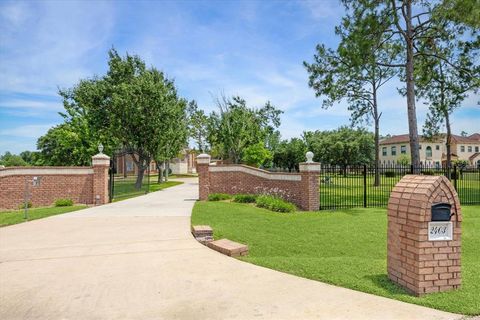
{"points": [[433, 153], [184, 164]]}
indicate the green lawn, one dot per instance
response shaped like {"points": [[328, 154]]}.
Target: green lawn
{"points": [[13, 217], [337, 190], [343, 247], [125, 187]]}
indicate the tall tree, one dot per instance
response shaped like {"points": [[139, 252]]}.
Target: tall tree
{"points": [[289, 154], [351, 71], [132, 108], [410, 24], [236, 126], [197, 125], [343, 147], [445, 85]]}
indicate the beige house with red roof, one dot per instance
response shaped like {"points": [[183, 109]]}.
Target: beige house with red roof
{"points": [[432, 152]]}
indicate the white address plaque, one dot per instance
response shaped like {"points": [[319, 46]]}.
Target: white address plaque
{"points": [[440, 231]]}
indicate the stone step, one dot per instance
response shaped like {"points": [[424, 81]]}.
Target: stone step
{"points": [[202, 231], [228, 247]]}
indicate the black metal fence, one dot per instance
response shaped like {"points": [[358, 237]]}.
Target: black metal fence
{"points": [[123, 179], [360, 186]]}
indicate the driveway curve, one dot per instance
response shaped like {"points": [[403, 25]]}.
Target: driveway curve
{"points": [[136, 259]]}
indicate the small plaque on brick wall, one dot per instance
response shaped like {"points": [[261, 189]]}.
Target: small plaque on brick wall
{"points": [[440, 231]]}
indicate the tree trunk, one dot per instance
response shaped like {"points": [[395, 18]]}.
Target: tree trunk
{"points": [[140, 163], [138, 183], [167, 168], [124, 165], [160, 171], [376, 118], [448, 143], [412, 113]]}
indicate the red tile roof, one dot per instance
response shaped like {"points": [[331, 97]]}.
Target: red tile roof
{"points": [[404, 138]]}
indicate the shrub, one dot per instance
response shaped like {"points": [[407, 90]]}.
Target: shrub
{"points": [[22, 205], [63, 202], [389, 174], [256, 155], [428, 172], [274, 204], [218, 196], [245, 198]]}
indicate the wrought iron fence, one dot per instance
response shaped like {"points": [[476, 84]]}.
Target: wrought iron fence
{"points": [[124, 179], [362, 186]]}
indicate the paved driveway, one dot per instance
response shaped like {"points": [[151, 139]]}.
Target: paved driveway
{"points": [[136, 259]]}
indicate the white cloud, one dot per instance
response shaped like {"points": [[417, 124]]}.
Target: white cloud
{"points": [[26, 131]]}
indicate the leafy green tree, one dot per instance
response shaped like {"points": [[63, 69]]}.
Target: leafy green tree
{"points": [[344, 146], [256, 155], [62, 145], [12, 160], [290, 153], [351, 71], [403, 160], [445, 86], [411, 25], [197, 125], [236, 126], [30, 157], [132, 108]]}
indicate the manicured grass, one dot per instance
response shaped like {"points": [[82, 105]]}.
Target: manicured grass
{"points": [[343, 247], [13, 217], [337, 190], [124, 188]]}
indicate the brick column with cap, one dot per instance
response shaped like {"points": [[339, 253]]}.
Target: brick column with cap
{"points": [[100, 163], [203, 162], [310, 172]]}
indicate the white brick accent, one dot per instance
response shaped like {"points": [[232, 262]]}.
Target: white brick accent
{"points": [[309, 167], [256, 172], [45, 171]]}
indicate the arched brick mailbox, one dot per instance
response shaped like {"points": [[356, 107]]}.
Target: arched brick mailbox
{"points": [[424, 229]]}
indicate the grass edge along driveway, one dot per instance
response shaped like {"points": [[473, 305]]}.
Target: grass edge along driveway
{"points": [[344, 247], [8, 218]]}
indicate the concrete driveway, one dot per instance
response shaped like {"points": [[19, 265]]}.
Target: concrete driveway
{"points": [[136, 259]]}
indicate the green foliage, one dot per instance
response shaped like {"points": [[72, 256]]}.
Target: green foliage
{"points": [[428, 172], [12, 160], [236, 126], [290, 153], [245, 198], [218, 196], [404, 160], [274, 204], [390, 174], [22, 205], [344, 146], [256, 155], [197, 125], [63, 203], [460, 163]]}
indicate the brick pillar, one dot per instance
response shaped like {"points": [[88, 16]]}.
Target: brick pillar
{"points": [[310, 172], [203, 162], [100, 163]]}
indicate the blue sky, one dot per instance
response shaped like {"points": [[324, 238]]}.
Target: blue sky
{"points": [[247, 48]]}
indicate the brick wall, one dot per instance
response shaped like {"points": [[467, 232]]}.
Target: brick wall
{"points": [[299, 188], [414, 262], [84, 185]]}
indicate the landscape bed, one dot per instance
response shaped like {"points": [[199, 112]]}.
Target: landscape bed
{"points": [[344, 247]]}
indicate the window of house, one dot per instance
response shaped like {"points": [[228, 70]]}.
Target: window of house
{"points": [[394, 151], [420, 147], [437, 147], [476, 149], [462, 148], [384, 151], [469, 148], [428, 152], [403, 149]]}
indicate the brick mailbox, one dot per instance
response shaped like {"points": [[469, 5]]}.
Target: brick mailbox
{"points": [[424, 230]]}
